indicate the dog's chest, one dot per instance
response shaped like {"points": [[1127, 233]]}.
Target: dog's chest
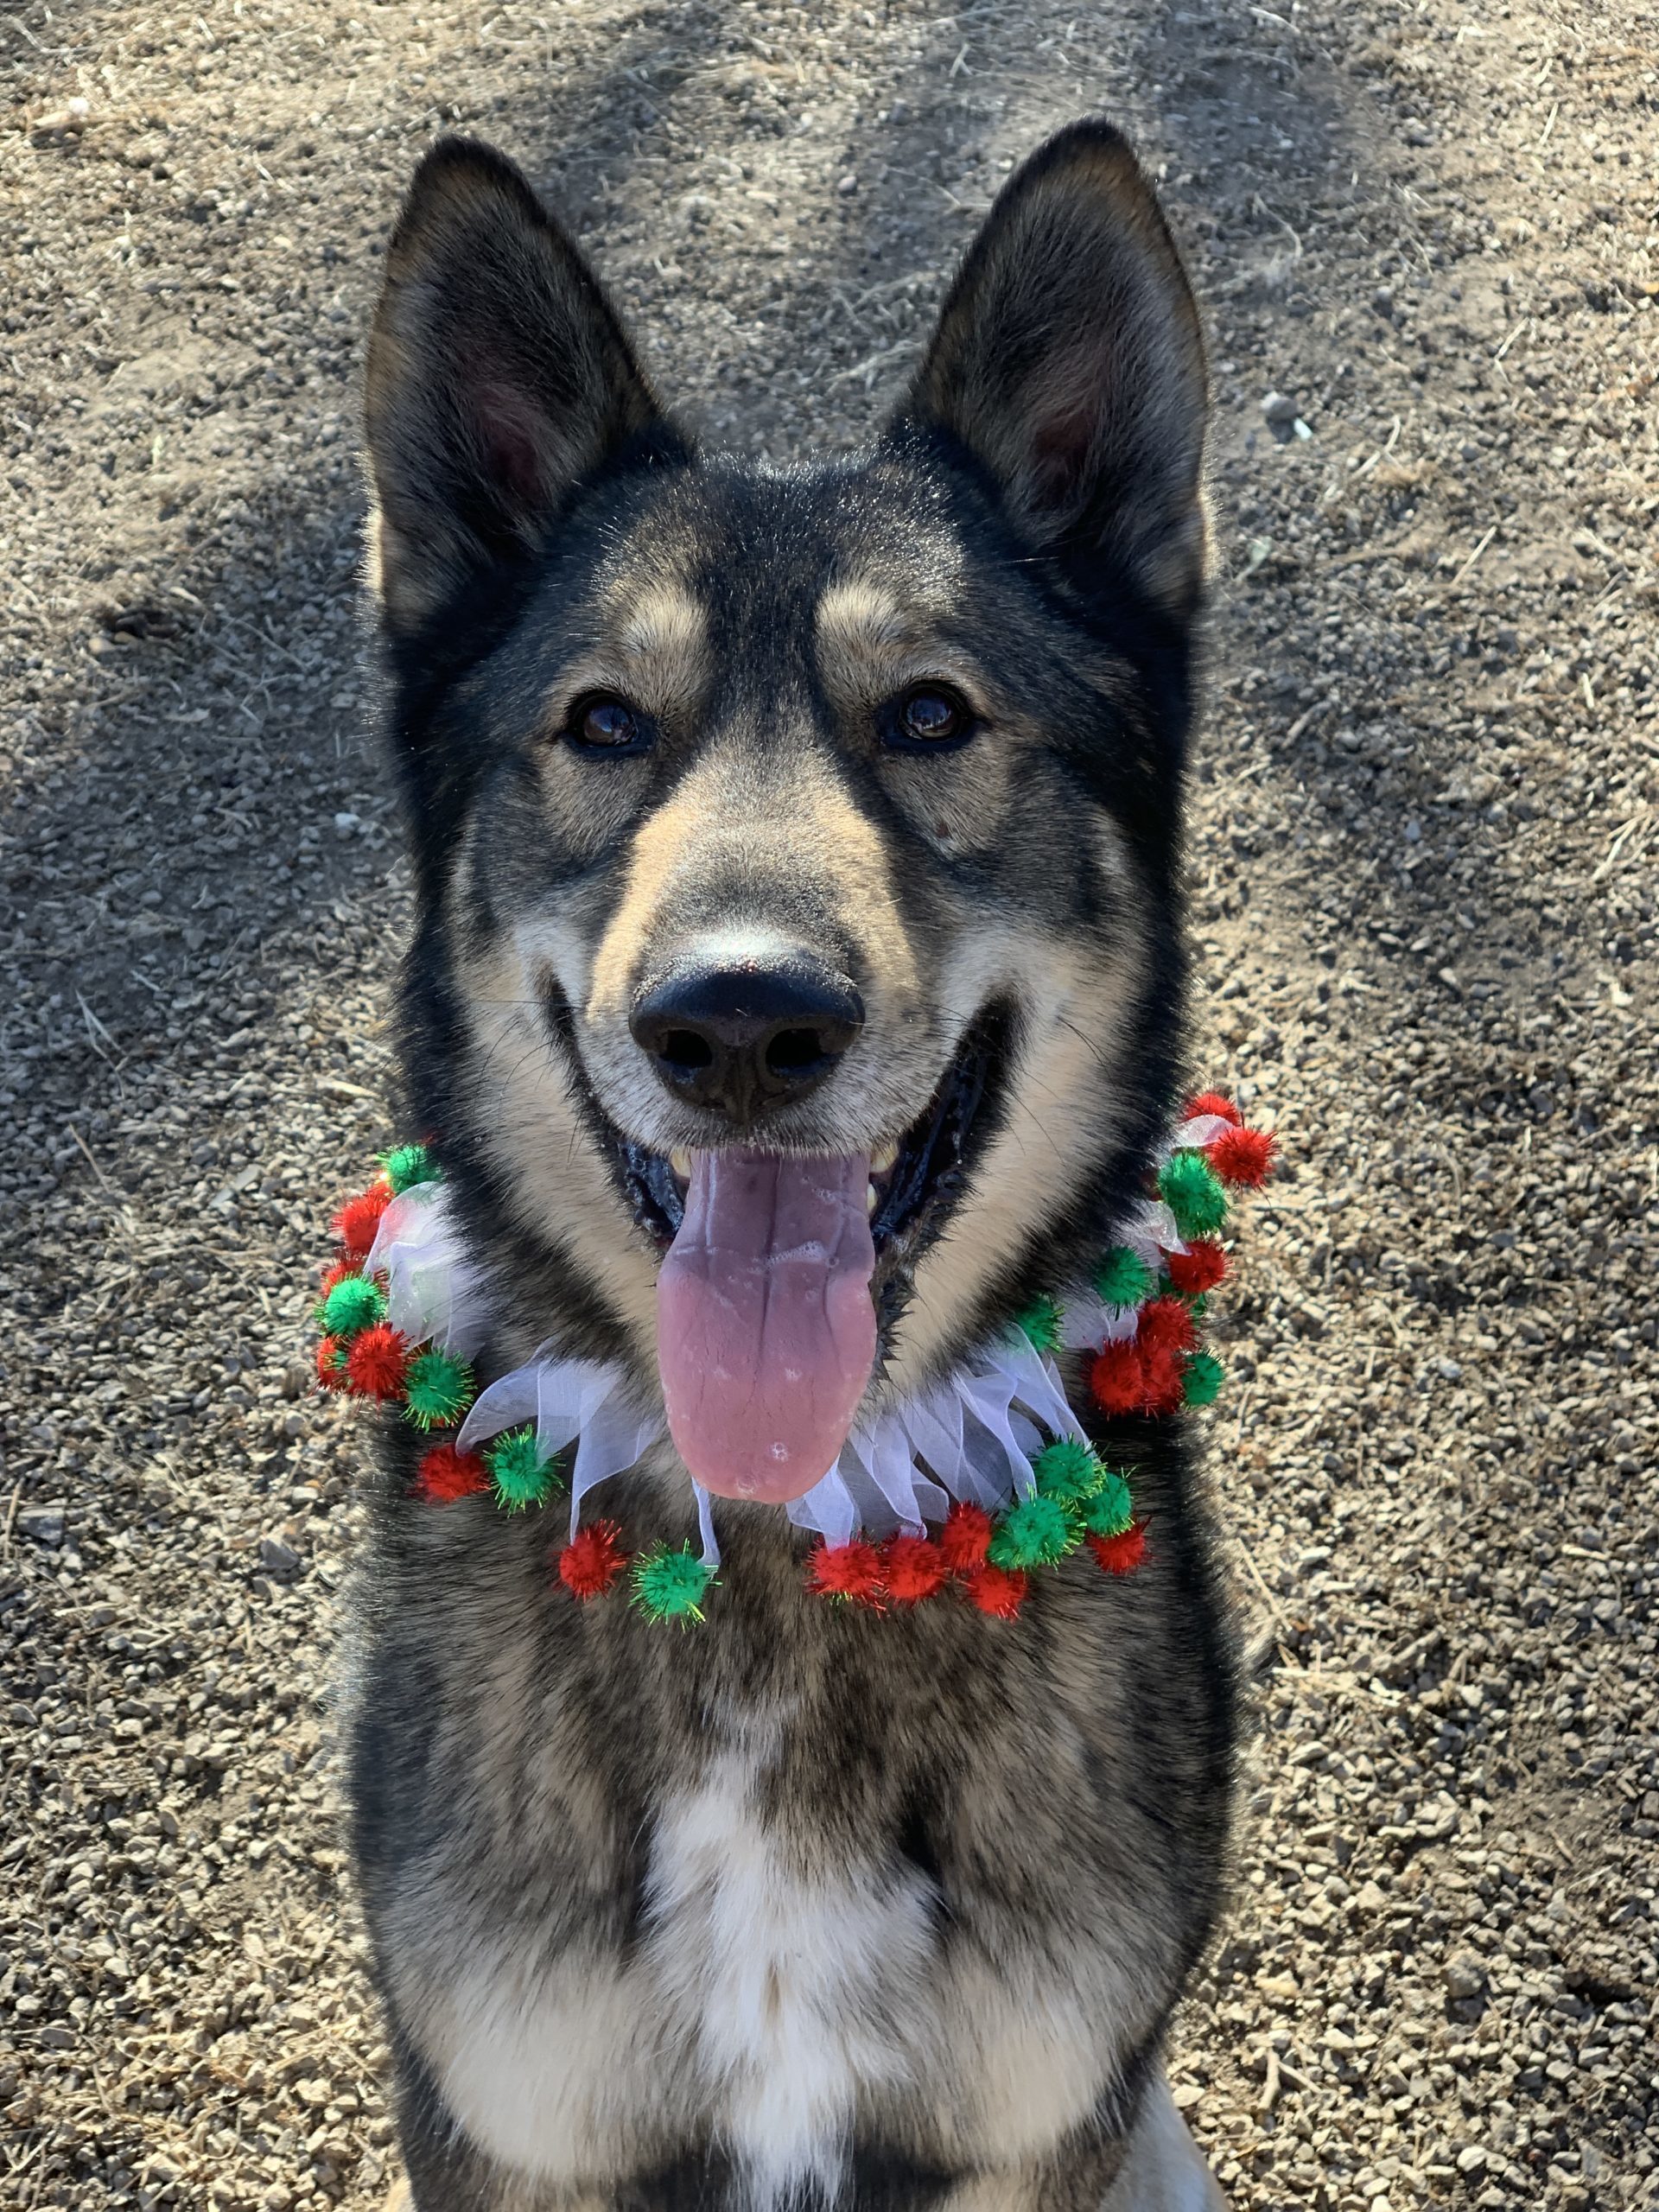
{"points": [[797, 1987], [762, 1999]]}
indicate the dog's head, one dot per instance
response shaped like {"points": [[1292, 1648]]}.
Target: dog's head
{"points": [[795, 851]]}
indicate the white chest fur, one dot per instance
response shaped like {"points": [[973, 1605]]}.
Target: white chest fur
{"points": [[767, 1996], [762, 1997], [797, 1987]]}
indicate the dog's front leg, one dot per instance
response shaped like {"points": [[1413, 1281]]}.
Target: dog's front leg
{"points": [[1161, 2169]]}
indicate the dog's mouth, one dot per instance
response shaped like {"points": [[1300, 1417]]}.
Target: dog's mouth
{"points": [[777, 1267], [914, 1181]]}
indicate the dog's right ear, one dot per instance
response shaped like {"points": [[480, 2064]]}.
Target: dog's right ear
{"points": [[498, 378]]}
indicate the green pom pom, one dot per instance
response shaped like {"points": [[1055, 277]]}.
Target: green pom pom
{"points": [[408, 1165], [1110, 1512], [1067, 1472], [1040, 1323], [437, 1389], [1193, 1191], [352, 1305], [1201, 1384], [522, 1478], [671, 1585], [1123, 1278], [1036, 1532]]}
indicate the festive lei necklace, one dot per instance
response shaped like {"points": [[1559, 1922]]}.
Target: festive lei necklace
{"points": [[973, 1484]]}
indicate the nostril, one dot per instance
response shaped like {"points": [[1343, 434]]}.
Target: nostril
{"points": [[792, 1051], [683, 1048]]}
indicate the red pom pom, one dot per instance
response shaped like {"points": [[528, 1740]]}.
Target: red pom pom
{"points": [[376, 1361], [1214, 1102], [996, 1590], [1244, 1156], [331, 1368], [1121, 1554], [965, 1538], [337, 1273], [1164, 1387], [1200, 1267], [1165, 1325], [846, 1570], [445, 1474], [1118, 1379], [358, 1218], [592, 1559], [914, 1569]]}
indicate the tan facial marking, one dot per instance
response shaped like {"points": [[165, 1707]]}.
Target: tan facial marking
{"points": [[656, 655]]}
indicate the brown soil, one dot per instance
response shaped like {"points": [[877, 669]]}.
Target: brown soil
{"points": [[1422, 867]]}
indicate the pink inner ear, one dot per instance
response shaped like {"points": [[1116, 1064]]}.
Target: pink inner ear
{"points": [[508, 423], [1065, 413]]}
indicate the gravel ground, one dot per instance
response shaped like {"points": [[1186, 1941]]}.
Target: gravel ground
{"points": [[1422, 868]]}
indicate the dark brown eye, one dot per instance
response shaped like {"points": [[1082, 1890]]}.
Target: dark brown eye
{"points": [[930, 719], [605, 725]]}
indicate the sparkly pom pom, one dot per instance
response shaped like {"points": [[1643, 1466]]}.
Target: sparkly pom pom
{"points": [[1199, 1268], [997, 1590], [592, 1559], [1244, 1156], [912, 1567], [1163, 1388], [522, 1479], [1201, 1384], [331, 1365], [337, 1271], [376, 1361], [1067, 1472], [965, 1538], [671, 1585], [1192, 1190], [1212, 1102], [1118, 1379], [1109, 1512], [1123, 1278], [352, 1304], [439, 1390], [358, 1218], [1040, 1324], [1165, 1325], [851, 1570], [408, 1165], [445, 1475], [1121, 1554], [1035, 1532]]}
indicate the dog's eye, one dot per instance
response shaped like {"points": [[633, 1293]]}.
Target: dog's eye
{"points": [[930, 719], [602, 724]]}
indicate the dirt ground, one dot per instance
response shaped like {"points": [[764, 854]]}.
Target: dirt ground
{"points": [[1427, 239]]}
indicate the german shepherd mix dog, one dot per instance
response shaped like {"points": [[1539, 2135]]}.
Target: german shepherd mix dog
{"points": [[826, 818]]}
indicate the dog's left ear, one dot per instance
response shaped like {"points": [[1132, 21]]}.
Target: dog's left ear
{"points": [[1070, 360]]}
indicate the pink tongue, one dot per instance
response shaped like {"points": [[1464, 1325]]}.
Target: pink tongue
{"points": [[765, 1331]]}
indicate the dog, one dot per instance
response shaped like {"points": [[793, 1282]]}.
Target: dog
{"points": [[775, 828]]}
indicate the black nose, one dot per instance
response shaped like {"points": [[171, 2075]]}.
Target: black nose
{"points": [[744, 1041]]}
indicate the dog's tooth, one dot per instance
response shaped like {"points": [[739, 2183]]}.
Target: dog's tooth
{"points": [[680, 1161], [883, 1157], [872, 1197]]}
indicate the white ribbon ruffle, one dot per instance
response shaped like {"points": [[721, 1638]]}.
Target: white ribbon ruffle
{"points": [[569, 1400], [434, 1292], [964, 1438]]}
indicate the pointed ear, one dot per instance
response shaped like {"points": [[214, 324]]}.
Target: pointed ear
{"points": [[497, 378], [1069, 359]]}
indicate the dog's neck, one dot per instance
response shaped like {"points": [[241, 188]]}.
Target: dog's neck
{"points": [[980, 1478]]}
